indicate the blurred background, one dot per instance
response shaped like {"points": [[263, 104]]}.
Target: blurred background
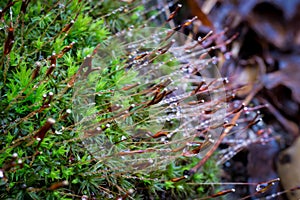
{"points": [[264, 56]]}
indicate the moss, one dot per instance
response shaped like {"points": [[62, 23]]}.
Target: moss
{"points": [[43, 47]]}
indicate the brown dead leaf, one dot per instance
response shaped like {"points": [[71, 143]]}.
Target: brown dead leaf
{"points": [[197, 11], [288, 166], [260, 165], [248, 75], [267, 21], [288, 75]]}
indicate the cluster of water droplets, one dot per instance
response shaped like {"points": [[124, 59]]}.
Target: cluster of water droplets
{"points": [[149, 97]]}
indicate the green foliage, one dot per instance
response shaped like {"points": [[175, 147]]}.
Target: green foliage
{"points": [[32, 91]]}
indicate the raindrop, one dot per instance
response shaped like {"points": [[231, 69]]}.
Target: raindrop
{"points": [[84, 197], [1, 173], [227, 56], [263, 187], [227, 164]]}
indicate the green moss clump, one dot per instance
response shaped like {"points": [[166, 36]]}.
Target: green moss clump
{"points": [[42, 155]]}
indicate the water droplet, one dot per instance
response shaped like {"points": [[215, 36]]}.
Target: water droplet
{"points": [[214, 61], [227, 164], [84, 197], [123, 137], [131, 191], [227, 56], [263, 187]]}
